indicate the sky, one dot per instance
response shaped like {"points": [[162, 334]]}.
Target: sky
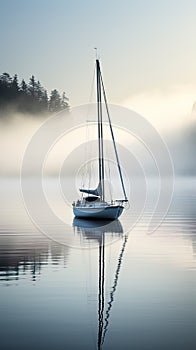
{"points": [[147, 50]]}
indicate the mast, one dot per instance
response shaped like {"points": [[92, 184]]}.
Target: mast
{"points": [[100, 132]]}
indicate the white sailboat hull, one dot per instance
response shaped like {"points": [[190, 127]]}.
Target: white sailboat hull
{"points": [[107, 212]]}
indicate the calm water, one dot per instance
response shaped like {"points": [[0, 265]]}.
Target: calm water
{"points": [[102, 287]]}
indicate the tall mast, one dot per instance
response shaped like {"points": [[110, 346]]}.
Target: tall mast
{"points": [[100, 132]]}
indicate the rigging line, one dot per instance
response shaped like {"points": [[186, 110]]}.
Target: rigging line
{"points": [[114, 288], [89, 172], [113, 139], [109, 178], [107, 170]]}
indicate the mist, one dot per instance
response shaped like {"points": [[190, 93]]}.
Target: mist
{"points": [[17, 130], [182, 146]]}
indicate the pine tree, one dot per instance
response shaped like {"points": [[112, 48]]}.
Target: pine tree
{"points": [[39, 91], [64, 101], [6, 94], [55, 101], [6, 79], [32, 86], [24, 87], [15, 86], [44, 100]]}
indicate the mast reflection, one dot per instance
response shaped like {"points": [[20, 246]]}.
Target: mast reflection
{"points": [[100, 230]]}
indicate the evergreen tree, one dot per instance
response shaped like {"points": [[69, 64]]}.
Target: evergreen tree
{"points": [[32, 86], [39, 91], [5, 89], [14, 84], [44, 100], [55, 101], [5, 79], [24, 87], [64, 101]]}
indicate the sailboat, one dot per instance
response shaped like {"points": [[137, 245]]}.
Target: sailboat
{"points": [[93, 205]]}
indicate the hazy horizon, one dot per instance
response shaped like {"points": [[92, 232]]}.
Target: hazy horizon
{"points": [[146, 48], [17, 130]]}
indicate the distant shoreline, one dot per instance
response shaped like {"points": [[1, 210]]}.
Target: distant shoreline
{"points": [[28, 98]]}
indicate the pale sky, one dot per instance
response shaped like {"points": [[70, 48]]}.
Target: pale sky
{"points": [[147, 48]]}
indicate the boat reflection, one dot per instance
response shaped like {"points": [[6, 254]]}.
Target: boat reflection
{"points": [[98, 230], [95, 229]]}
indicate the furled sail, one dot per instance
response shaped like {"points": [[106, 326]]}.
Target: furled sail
{"points": [[96, 192]]}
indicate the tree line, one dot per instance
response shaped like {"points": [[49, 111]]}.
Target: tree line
{"points": [[29, 97]]}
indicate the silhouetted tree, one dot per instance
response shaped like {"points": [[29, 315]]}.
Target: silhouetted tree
{"points": [[55, 101], [14, 84], [39, 91], [32, 86], [6, 80], [6, 94], [44, 100], [64, 101], [24, 87]]}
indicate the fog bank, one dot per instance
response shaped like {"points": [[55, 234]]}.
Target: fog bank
{"points": [[17, 130]]}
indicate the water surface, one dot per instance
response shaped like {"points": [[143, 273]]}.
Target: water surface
{"points": [[105, 288]]}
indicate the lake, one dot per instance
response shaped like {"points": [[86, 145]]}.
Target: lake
{"points": [[80, 285]]}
